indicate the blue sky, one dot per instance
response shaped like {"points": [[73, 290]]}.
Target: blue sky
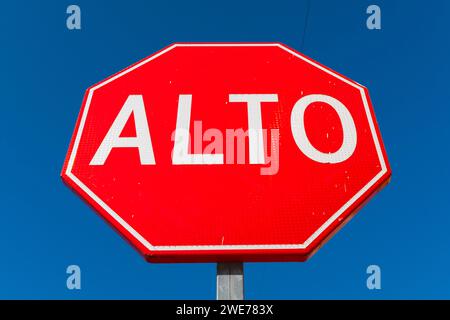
{"points": [[46, 68]]}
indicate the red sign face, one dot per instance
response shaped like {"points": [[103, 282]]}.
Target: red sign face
{"points": [[226, 152]]}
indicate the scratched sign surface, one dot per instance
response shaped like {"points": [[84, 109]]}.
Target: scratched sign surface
{"points": [[221, 152]]}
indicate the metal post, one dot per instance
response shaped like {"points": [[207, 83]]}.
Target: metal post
{"points": [[230, 281]]}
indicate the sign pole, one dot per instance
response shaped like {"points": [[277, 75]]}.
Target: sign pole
{"points": [[230, 281]]}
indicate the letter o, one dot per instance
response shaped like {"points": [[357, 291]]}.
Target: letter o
{"points": [[302, 141]]}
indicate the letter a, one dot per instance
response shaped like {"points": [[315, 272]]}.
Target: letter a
{"points": [[374, 20], [374, 279], [73, 21], [134, 105]]}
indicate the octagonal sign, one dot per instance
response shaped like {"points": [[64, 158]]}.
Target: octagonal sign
{"points": [[226, 152]]}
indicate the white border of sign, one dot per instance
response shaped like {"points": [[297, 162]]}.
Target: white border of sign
{"points": [[147, 244]]}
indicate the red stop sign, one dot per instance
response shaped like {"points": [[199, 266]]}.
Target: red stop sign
{"points": [[220, 152]]}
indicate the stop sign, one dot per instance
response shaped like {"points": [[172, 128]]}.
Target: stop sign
{"points": [[226, 152]]}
